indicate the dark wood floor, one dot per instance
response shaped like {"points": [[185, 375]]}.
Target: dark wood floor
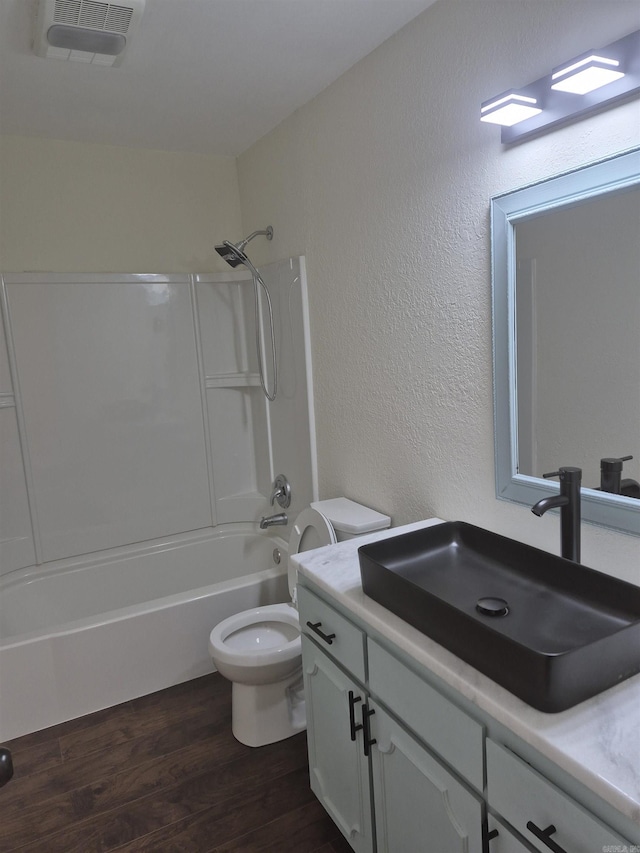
{"points": [[161, 773]]}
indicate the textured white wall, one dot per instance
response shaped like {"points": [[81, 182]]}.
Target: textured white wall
{"points": [[72, 207], [383, 181]]}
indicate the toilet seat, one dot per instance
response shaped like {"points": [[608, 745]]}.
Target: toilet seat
{"points": [[284, 621], [311, 530]]}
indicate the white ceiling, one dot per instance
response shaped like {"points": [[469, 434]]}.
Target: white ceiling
{"points": [[200, 75]]}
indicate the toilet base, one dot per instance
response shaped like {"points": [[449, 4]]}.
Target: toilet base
{"points": [[266, 713]]}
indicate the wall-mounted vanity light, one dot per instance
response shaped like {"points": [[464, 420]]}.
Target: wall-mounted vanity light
{"points": [[508, 109], [593, 81], [586, 74]]}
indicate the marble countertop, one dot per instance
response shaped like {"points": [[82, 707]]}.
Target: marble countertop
{"points": [[597, 741]]}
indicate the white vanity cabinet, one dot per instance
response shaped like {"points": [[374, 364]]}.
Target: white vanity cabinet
{"points": [[403, 768], [455, 761], [365, 767]]}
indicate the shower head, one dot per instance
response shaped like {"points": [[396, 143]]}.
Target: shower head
{"points": [[233, 253]]}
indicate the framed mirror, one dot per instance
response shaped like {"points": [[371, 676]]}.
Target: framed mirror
{"points": [[566, 336]]}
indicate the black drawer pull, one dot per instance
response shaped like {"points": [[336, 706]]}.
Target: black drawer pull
{"points": [[328, 638], [493, 834], [352, 714], [544, 835], [368, 740]]}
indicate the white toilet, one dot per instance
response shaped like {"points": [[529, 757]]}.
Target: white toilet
{"points": [[260, 650]]}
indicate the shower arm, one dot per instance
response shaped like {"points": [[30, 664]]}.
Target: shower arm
{"points": [[267, 232]]}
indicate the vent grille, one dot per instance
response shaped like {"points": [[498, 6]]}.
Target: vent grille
{"points": [[67, 12], [118, 19], [93, 15]]}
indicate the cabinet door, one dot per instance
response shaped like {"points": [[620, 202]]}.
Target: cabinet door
{"points": [[338, 769], [419, 806]]}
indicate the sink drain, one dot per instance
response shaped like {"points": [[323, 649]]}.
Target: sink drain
{"points": [[492, 606]]}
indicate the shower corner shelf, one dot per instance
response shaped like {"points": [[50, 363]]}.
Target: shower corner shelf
{"points": [[233, 380]]}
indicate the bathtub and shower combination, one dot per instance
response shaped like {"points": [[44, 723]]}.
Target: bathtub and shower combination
{"points": [[140, 433], [87, 634]]}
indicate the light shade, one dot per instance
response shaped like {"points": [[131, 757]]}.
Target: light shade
{"points": [[509, 109], [586, 74]]}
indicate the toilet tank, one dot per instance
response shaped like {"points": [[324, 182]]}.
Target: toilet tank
{"points": [[350, 519]]}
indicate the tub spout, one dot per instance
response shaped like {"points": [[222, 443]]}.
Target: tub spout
{"points": [[280, 518]]}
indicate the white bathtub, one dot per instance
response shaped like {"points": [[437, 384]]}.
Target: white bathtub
{"points": [[82, 635]]}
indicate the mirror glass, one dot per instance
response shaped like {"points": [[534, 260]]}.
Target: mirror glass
{"points": [[566, 288]]}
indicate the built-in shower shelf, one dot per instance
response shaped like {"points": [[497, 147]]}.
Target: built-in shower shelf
{"points": [[233, 380]]}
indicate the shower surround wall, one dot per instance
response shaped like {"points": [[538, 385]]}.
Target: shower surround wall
{"points": [[130, 409]]}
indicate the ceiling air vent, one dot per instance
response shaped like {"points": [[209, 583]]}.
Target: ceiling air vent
{"points": [[86, 30]]}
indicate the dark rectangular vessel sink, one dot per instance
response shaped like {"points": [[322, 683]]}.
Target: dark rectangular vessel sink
{"points": [[551, 631]]}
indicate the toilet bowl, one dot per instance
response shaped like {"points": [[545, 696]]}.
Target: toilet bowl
{"points": [[258, 646], [260, 650]]}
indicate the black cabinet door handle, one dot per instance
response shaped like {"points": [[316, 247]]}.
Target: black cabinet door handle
{"points": [[493, 834], [352, 714], [544, 835], [315, 627], [368, 740]]}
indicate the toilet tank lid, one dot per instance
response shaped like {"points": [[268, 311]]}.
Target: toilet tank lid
{"points": [[351, 517]]}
